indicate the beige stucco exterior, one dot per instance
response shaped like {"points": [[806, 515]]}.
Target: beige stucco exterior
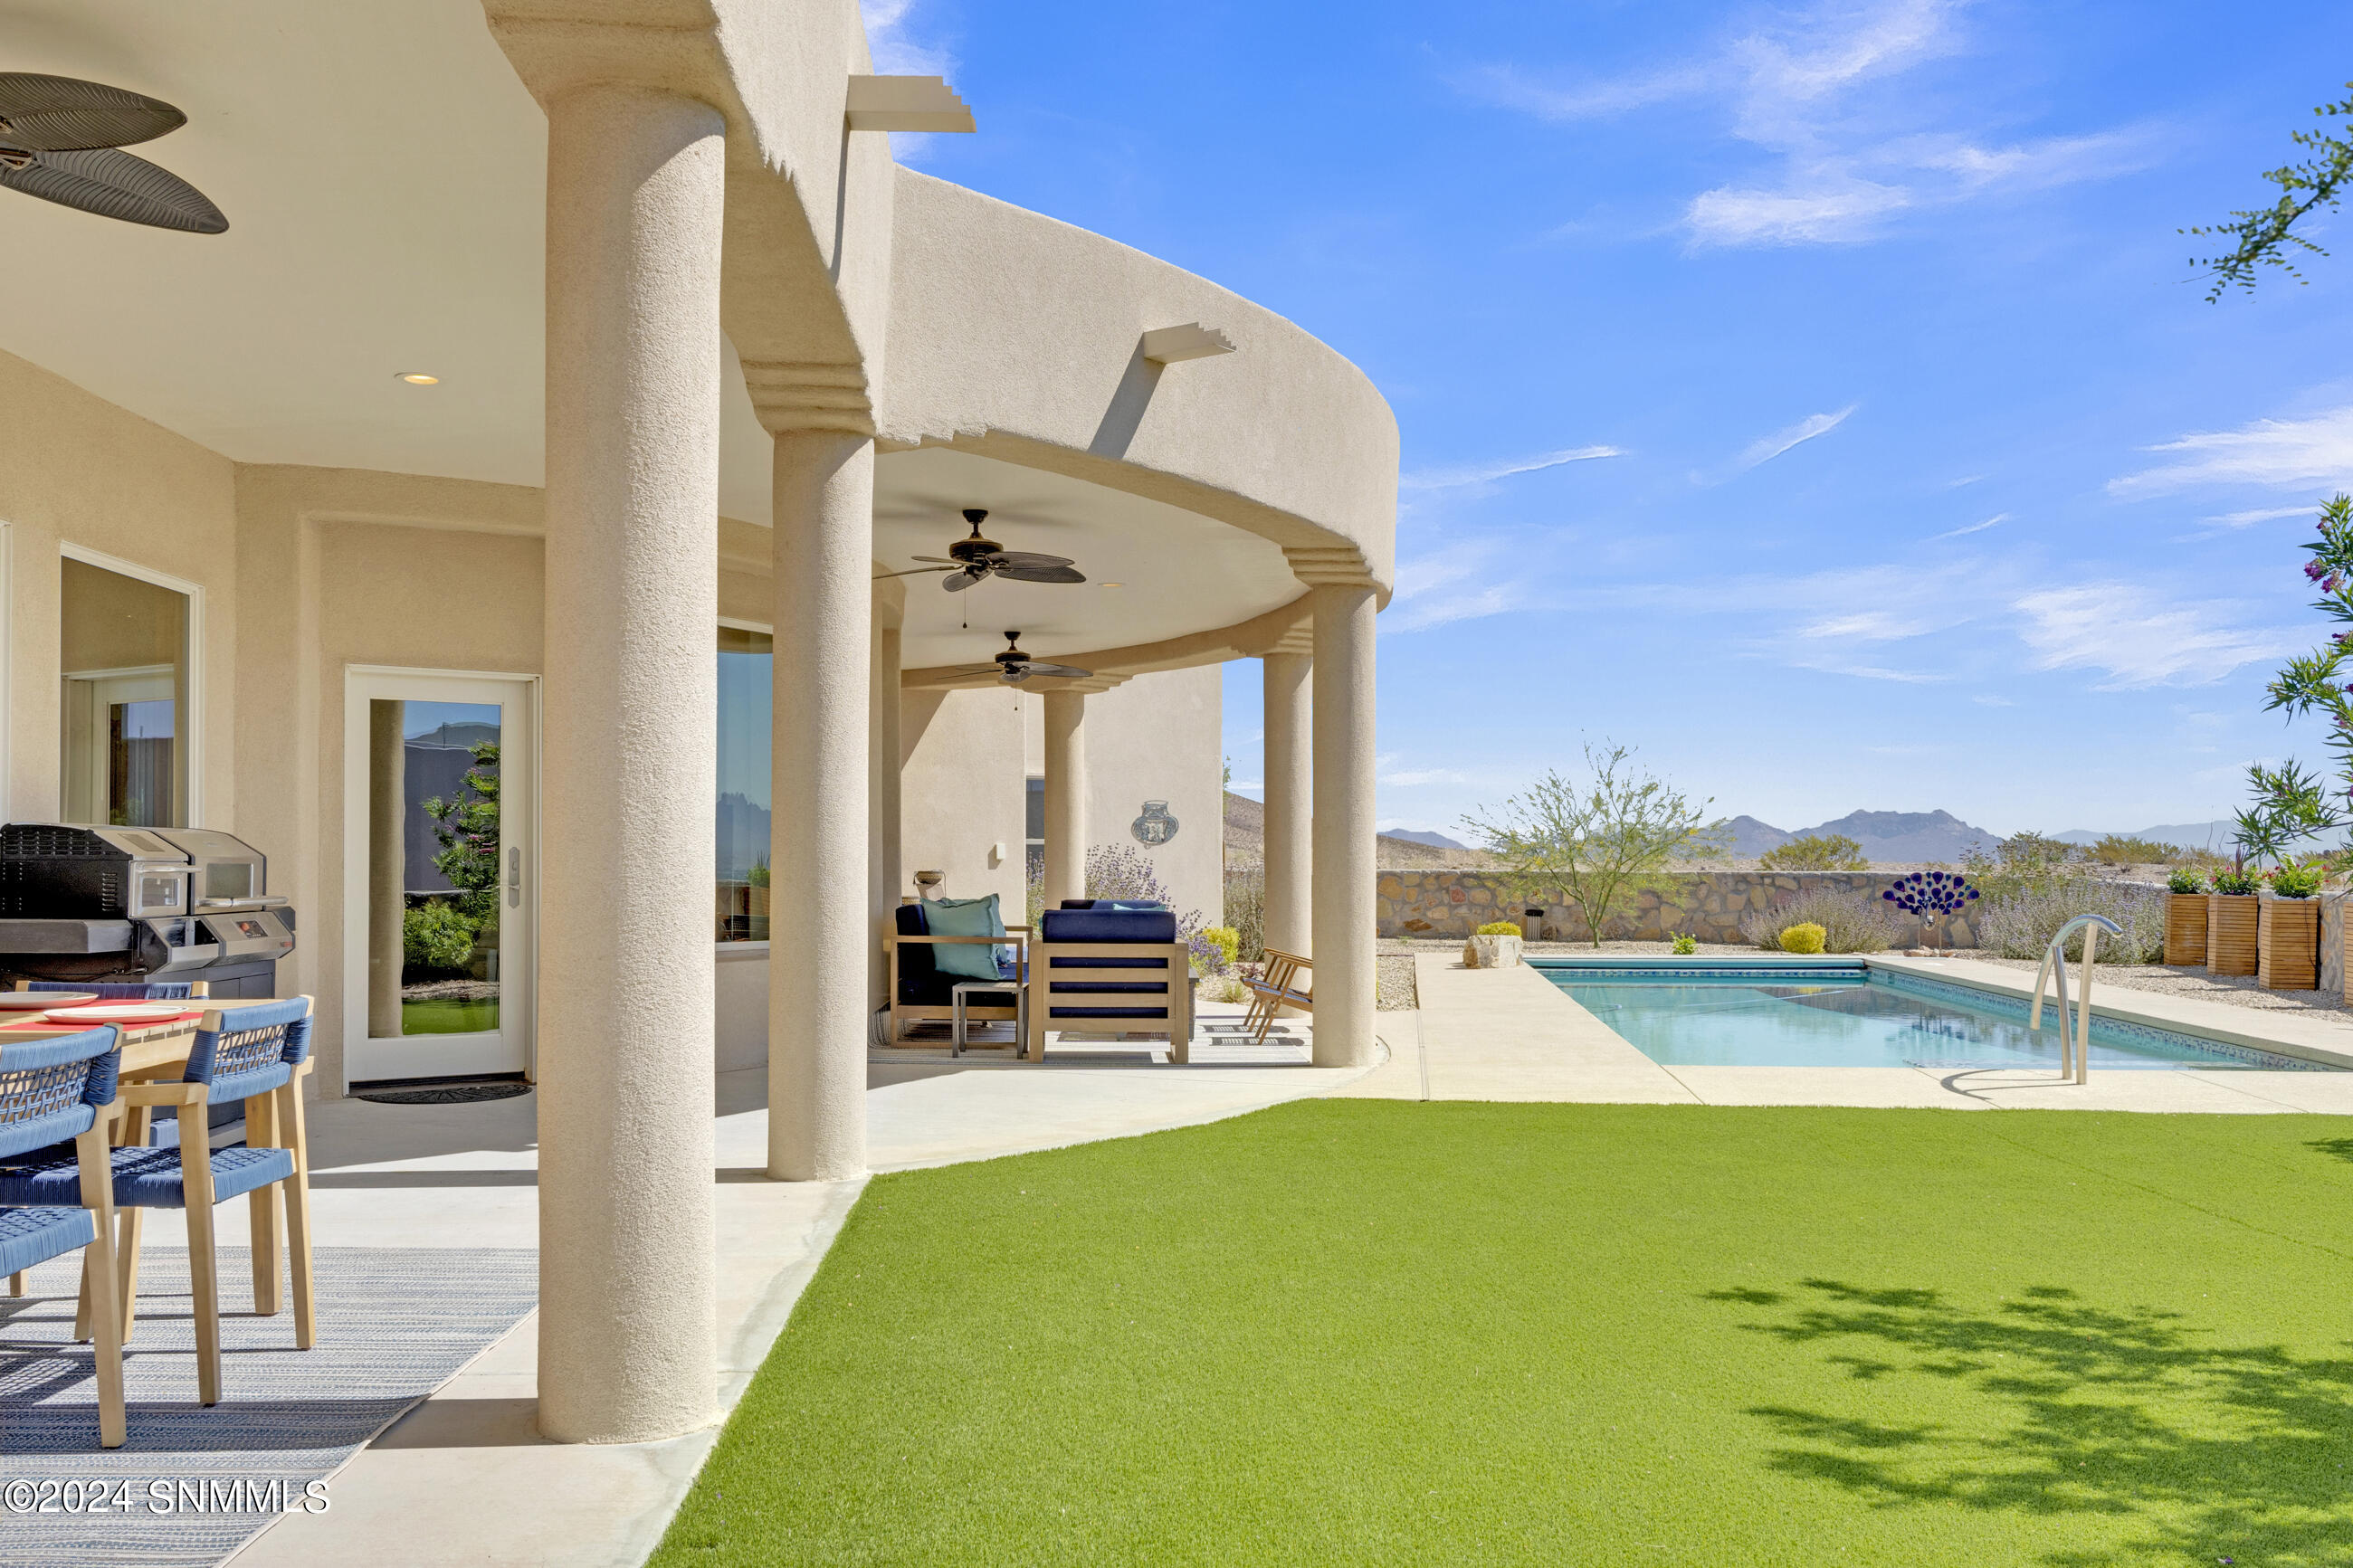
{"points": [[773, 366]]}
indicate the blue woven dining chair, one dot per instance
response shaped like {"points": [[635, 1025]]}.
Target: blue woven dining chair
{"points": [[124, 990], [261, 1049], [51, 1090]]}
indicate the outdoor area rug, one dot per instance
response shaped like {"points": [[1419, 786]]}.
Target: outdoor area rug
{"points": [[193, 1485]]}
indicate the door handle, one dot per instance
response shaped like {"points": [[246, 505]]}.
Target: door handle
{"points": [[514, 876]]}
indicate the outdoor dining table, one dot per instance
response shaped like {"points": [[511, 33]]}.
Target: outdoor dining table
{"points": [[160, 1050]]}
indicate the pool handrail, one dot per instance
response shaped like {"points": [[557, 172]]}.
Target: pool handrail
{"points": [[2054, 961]]}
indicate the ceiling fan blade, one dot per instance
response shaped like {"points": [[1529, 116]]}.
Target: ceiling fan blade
{"points": [[62, 114], [1027, 559], [957, 581], [1064, 671], [115, 185], [916, 571], [959, 671], [1040, 574], [941, 559]]}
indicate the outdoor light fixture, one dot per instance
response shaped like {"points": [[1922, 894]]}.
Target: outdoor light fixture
{"points": [[1112, 585], [418, 378]]}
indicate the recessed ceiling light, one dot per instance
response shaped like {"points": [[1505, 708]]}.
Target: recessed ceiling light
{"points": [[1111, 585], [418, 378]]}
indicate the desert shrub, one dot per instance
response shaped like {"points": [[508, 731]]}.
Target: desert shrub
{"points": [[1246, 912], [2185, 880], [1498, 928], [1228, 943], [1851, 922], [2020, 924], [437, 936], [1226, 988], [2115, 849], [2025, 862], [1816, 852], [1685, 944], [1805, 937]]}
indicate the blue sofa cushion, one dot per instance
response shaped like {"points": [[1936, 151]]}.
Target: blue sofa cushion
{"points": [[1112, 904], [966, 917], [1107, 925], [143, 1177], [35, 1236]]}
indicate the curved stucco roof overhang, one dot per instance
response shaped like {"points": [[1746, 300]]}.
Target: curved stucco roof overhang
{"points": [[1019, 339]]}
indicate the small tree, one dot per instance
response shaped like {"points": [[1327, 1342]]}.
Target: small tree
{"points": [[2292, 802], [468, 829], [1816, 852], [2266, 236], [1596, 843]]}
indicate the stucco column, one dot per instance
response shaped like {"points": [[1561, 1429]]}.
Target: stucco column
{"points": [[818, 992], [1066, 796], [1290, 839], [387, 865], [1344, 910], [885, 878], [627, 1325]]}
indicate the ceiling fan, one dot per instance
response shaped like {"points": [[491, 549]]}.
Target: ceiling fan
{"points": [[976, 560], [58, 139], [1013, 667]]}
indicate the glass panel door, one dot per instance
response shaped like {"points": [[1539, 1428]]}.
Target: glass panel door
{"points": [[441, 840]]}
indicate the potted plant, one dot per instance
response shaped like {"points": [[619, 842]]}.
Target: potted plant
{"points": [[1495, 946], [2185, 919], [2230, 919], [2287, 933]]}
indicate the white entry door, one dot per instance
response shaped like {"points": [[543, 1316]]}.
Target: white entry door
{"points": [[440, 860]]}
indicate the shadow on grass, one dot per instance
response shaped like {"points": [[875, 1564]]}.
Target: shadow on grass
{"points": [[2336, 1148], [2200, 1452]]}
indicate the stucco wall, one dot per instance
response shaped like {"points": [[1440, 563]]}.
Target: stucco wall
{"points": [[962, 790], [1708, 905], [77, 469]]}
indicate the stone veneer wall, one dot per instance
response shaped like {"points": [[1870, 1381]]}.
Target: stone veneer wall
{"points": [[1707, 904]]}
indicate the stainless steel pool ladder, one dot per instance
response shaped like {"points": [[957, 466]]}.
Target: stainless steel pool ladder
{"points": [[2074, 1056]]}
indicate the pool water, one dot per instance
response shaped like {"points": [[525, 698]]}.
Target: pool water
{"points": [[1858, 1020]]}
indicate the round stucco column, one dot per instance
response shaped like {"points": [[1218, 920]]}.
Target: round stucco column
{"points": [[1343, 912], [1066, 796], [1290, 837], [820, 858], [882, 802], [627, 1329]]}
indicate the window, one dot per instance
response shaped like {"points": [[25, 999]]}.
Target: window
{"points": [[125, 652], [745, 667]]}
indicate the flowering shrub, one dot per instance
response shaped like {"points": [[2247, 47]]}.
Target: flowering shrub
{"points": [[2021, 924], [2185, 880], [1498, 928], [2297, 879], [2237, 882]]}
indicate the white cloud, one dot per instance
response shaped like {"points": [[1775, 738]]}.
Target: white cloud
{"points": [[1964, 479], [2265, 514], [1425, 777], [2139, 638], [1985, 701], [1873, 672], [1847, 169], [1453, 584], [1804, 430], [1488, 473], [1994, 520], [2314, 451], [895, 53]]}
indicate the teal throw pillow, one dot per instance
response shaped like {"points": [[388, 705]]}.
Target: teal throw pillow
{"points": [[965, 917]]}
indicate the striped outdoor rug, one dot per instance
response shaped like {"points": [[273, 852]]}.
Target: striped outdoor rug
{"points": [[193, 1485]]}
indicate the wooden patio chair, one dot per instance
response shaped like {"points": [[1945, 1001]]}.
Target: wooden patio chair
{"points": [[1278, 989]]}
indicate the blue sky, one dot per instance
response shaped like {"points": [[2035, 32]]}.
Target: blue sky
{"points": [[1816, 398]]}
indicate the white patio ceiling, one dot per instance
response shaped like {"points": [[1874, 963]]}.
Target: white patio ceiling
{"points": [[382, 169]]}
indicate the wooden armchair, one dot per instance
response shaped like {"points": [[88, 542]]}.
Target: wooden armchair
{"points": [[1279, 990], [1111, 969], [922, 993]]}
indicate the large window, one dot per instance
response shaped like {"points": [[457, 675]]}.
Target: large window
{"points": [[745, 670], [124, 651]]}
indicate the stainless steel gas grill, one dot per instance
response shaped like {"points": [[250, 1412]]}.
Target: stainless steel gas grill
{"points": [[136, 903]]}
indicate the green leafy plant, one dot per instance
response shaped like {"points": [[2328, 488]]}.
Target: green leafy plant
{"points": [[758, 875], [1498, 928], [2025, 862], [2185, 880], [1595, 842], [2291, 801], [1228, 945], [1805, 937], [1816, 852], [2238, 882], [467, 825], [436, 936], [2265, 235], [1685, 944], [2298, 880]]}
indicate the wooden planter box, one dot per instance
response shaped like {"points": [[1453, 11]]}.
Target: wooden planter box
{"points": [[2230, 921], [2185, 930], [2288, 944]]}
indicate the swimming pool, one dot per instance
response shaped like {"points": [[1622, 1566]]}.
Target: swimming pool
{"points": [[1841, 1015]]}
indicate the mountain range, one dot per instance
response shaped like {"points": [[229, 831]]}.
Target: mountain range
{"points": [[1883, 834]]}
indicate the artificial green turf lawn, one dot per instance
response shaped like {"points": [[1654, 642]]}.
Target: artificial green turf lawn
{"points": [[1363, 1331]]}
